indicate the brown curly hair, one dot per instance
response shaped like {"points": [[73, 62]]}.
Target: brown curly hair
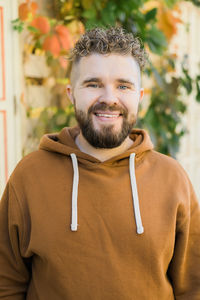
{"points": [[109, 40]]}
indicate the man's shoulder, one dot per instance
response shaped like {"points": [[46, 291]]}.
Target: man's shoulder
{"points": [[33, 161], [167, 171], [163, 158], [168, 164], [30, 159]]}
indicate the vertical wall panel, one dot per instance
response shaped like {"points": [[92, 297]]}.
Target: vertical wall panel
{"points": [[189, 43], [9, 80], [3, 112], [2, 56], [3, 150]]}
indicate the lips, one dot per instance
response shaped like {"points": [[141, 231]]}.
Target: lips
{"points": [[108, 114]]}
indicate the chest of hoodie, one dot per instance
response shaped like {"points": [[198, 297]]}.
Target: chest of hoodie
{"points": [[106, 220]]}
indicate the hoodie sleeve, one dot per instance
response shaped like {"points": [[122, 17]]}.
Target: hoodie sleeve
{"points": [[14, 269], [184, 270]]}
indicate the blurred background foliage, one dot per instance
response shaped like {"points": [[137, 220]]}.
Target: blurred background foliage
{"points": [[155, 22]]}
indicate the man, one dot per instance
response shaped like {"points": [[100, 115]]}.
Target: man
{"points": [[96, 213]]}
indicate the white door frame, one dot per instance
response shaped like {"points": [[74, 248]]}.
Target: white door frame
{"points": [[10, 87]]}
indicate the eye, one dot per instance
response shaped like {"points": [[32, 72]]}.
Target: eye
{"points": [[123, 87], [93, 85]]}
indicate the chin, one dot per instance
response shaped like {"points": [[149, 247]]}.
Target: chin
{"points": [[116, 129]]}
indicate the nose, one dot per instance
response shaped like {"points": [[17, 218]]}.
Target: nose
{"points": [[108, 96]]}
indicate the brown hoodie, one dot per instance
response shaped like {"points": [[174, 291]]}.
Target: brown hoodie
{"points": [[75, 228]]}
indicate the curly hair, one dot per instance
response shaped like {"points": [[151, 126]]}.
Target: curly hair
{"points": [[110, 40]]}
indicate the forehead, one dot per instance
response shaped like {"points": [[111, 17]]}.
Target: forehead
{"points": [[110, 67]]}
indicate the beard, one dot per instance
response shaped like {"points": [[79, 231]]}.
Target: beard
{"points": [[105, 137]]}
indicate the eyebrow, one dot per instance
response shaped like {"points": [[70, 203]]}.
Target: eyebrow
{"points": [[93, 79], [96, 79], [121, 80]]}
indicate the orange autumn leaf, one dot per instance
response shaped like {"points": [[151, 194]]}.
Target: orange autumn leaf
{"points": [[58, 41], [34, 7], [168, 19], [23, 11], [27, 9], [63, 36], [42, 24], [167, 22], [51, 44]]}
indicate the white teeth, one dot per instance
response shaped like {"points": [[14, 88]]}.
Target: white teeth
{"points": [[107, 116]]}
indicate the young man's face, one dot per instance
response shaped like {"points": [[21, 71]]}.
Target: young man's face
{"points": [[106, 94]]}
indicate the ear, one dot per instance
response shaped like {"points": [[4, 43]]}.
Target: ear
{"points": [[141, 94], [70, 93]]}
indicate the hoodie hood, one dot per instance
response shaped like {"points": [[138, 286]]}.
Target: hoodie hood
{"points": [[64, 143]]}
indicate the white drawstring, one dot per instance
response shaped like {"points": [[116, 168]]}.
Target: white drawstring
{"points": [[136, 206], [74, 220]]}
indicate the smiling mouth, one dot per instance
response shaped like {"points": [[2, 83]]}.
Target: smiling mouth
{"points": [[109, 115]]}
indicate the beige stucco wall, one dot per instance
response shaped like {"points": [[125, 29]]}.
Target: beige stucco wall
{"points": [[189, 43]]}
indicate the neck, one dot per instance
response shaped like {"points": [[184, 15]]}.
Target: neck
{"points": [[100, 153]]}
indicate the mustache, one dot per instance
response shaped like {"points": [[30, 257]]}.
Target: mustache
{"points": [[105, 107]]}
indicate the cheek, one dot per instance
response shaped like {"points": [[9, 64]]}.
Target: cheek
{"points": [[83, 100], [131, 103]]}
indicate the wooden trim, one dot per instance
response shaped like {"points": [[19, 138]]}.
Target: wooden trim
{"points": [[5, 143], [3, 96]]}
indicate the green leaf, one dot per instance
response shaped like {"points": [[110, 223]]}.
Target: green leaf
{"points": [[38, 44], [198, 91], [90, 13], [33, 29], [18, 25], [186, 81], [98, 4], [122, 16], [128, 6], [15, 21], [151, 14], [89, 24], [108, 14], [86, 3], [156, 40]]}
